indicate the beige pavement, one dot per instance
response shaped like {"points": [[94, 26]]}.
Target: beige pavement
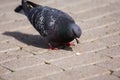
{"points": [[25, 56]]}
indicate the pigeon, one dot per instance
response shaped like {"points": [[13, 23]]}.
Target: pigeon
{"points": [[54, 25]]}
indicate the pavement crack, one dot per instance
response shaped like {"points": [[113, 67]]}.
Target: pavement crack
{"points": [[62, 69], [109, 57], [46, 62], [8, 69], [111, 72]]}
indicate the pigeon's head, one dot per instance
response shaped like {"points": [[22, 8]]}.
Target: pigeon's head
{"points": [[68, 33], [75, 30]]}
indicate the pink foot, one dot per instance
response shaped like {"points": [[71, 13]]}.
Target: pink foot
{"points": [[70, 44], [53, 48]]}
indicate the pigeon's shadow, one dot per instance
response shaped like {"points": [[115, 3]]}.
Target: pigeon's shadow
{"points": [[29, 39]]}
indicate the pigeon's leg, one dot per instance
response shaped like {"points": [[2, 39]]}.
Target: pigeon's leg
{"points": [[52, 47]]}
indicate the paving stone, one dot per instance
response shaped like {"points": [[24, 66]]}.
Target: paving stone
{"points": [[24, 55], [100, 11], [27, 41], [113, 64], [1, 79], [91, 4], [6, 2], [60, 4], [105, 77], [3, 71], [89, 46], [7, 19], [4, 39], [15, 42], [37, 71], [35, 48], [16, 2], [111, 51], [76, 74], [117, 73], [81, 60], [111, 40], [4, 8], [8, 56], [23, 37], [14, 26], [56, 55], [102, 21], [97, 33], [6, 47], [22, 63], [99, 44]]}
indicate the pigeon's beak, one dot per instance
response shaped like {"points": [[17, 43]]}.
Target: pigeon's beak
{"points": [[77, 40]]}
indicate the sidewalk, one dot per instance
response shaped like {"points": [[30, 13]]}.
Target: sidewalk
{"points": [[25, 56]]}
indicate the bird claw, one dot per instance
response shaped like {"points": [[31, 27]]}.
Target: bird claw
{"points": [[77, 40]]}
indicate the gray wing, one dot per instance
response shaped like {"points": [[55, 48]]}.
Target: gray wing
{"points": [[37, 19], [46, 19]]}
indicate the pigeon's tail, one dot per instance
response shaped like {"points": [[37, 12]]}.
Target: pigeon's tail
{"points": [[25, 7], [19, 9]]}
